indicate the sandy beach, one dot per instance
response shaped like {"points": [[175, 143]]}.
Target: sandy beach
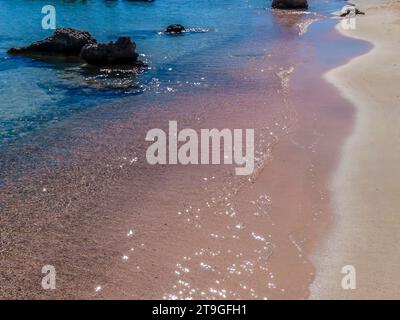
{"points": [[365, 189], [77, 192], [115, 227]]}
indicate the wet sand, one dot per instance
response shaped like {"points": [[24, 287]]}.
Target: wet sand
{"points": [[366, 186], [116, 227]]}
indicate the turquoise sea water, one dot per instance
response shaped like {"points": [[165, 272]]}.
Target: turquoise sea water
{"points": [[35, 94]]}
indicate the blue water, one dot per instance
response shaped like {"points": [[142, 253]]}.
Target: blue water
{"points": [[35, 94]]}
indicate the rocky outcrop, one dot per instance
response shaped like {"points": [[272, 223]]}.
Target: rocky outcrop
{"points": [[175, 29], [64, 41], [289, 4], [122, 52], [72, 42]]}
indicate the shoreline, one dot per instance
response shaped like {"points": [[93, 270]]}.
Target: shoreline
{"points": [[115, 223], [364, 189]]}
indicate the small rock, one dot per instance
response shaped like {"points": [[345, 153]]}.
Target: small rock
{"points": [[175, 29], [289, 4], [350, 10]]}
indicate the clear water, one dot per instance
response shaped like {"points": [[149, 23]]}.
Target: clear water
{"points": [[83, 199], [37, 93]]}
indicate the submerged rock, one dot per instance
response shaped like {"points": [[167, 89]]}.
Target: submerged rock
{"points": [[122, 52], [175, 29], [116, 78], [289, 4], [64, 41]]}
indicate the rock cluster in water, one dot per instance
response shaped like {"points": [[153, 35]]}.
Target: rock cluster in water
{"points": [[289, 4], [72, 42]]}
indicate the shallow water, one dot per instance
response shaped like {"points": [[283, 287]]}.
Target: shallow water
{"points": [[35, 94]]}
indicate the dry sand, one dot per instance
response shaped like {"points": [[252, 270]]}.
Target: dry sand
{"points": [[366, 186]]}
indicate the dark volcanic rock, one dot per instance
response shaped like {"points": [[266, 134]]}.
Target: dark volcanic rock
{"points": [[64, 41], [289, 4], [175, 28], [350, 10], [122, 52]]}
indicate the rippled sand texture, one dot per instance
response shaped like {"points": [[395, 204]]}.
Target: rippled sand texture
{"points": [[366, 187], [82, 197]]}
